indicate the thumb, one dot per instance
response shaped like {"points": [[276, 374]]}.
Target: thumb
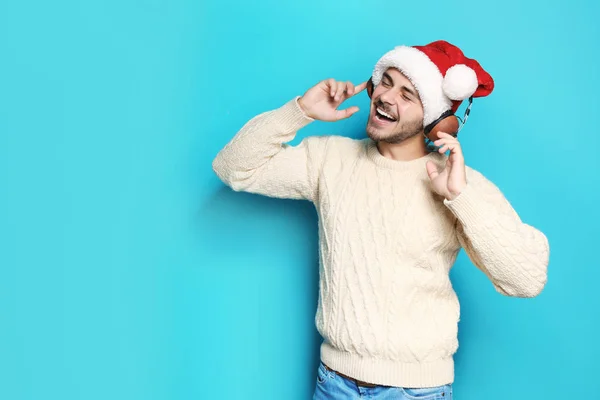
{"points": [[348, 112], [432, 170]]}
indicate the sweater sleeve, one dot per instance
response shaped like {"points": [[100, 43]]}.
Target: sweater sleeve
{"points": [[258, 159], [512, 254]]}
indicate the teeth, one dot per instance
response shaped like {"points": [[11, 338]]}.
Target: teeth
{"points": [[380, 111]]}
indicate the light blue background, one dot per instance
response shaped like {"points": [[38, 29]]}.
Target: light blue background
{"points": [[129, 271]]}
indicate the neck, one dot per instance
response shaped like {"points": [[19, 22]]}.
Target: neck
{"points": [[406, 150]]}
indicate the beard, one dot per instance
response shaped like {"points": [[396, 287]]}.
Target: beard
{"points": [[402, 131]]}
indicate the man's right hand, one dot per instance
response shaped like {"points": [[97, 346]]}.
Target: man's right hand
{"points": [[321, 101]]}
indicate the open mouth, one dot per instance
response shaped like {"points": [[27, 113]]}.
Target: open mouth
{"points": [[383, 117]]}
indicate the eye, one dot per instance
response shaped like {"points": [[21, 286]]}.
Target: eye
{"points": [[385, 83], [406, 97]]}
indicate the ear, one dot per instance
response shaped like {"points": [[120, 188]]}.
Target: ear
{"points": [[370, 87]]}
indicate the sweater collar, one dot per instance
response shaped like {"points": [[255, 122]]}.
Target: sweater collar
{"points": [[374, 155]]}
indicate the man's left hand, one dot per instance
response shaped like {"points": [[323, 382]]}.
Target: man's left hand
{"points": [[451, 180]]}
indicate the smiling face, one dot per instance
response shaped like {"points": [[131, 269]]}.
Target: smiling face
{"points": [[396, 110]]}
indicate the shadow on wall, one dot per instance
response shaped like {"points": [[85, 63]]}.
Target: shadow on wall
{"points": [[245, 223], [262, 228]]}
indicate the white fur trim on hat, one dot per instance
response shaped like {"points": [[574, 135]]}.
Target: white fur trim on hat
{"points": [[423, 74], [460, 82]]}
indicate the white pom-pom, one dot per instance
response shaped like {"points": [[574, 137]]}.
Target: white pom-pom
{"points": [[460, 82]]}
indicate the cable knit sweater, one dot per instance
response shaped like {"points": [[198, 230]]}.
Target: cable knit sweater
{"points": [[386, 310]]}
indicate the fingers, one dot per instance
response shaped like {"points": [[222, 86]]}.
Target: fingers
{"points": [[354, 90], [331, 85], [446, 136], [348, 112], [350, 89], [432, 170], [340, 91], [448, 142], [453, 147], [361, 87]]}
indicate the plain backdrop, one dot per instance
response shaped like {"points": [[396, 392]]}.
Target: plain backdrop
{"points": [[129, 271]]}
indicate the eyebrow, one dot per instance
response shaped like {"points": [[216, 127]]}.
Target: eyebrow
{"points": [[404, 88]]}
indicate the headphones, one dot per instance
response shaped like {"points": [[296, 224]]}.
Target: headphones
{"points": [[447, 122]]}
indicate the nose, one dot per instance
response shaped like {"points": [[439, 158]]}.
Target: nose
{"points": [[387, 97]]}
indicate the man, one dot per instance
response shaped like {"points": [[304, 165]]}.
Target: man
{"points": [[393, 215]]}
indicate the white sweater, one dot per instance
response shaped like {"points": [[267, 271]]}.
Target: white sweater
{"points": [[387, 311]]}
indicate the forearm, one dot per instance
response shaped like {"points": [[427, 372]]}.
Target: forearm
{"points": [[257, 141], [513, 254], [258, 159]]}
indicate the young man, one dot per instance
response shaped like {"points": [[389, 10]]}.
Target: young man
{"points": [[393, 215]]}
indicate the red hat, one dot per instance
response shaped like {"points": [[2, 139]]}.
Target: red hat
{"points": [[440, 72]]}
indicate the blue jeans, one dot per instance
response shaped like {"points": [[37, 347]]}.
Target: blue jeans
{"points": [[331, 386]]}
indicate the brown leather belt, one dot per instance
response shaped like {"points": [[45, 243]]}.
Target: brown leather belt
{"points": [[358, 383]]}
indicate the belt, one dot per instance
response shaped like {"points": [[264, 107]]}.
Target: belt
{"points": [[356, 381]]}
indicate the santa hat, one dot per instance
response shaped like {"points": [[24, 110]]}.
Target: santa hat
{"points": [[440, 72]]}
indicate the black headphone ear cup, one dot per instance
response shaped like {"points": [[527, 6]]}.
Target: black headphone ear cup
{"points": [[447, 123], [433, 124], [370, 87]]}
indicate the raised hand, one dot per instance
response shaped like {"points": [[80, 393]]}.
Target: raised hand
{"points": [[322, 100], [452, 179]]}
